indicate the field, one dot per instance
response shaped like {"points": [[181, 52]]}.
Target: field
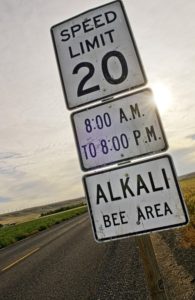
{"points": [[10, 219], [29, 214], [52, 214], [13, 233], [188, 190]]}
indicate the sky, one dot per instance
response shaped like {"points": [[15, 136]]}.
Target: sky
{"points": [[38, 158]]}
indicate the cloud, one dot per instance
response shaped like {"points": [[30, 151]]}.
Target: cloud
{"points": [[33, 188], [184, 159], [10, 164], [5, 199], [191, 136], [9, 155], [38, 159]]}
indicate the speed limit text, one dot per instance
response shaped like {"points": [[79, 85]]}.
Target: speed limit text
{"points": [[89, 24]]}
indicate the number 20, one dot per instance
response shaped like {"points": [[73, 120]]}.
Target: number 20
{"points": [[81, 91]]}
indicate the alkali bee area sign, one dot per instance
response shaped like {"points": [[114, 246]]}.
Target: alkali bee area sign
{"points": [[135, 199], [118, 130], [96, 51]]}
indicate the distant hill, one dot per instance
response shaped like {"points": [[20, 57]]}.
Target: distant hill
{"points": [[52, 206], [187, 176], [35, 212]]}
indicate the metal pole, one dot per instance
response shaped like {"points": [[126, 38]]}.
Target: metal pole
{"points": [[152, 273]]}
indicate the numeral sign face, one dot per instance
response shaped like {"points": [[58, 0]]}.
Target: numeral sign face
{"points": [[118, 130], [97, 55]]}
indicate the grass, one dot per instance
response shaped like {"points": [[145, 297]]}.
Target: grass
{"points": [[12, 234], [188, 189]]}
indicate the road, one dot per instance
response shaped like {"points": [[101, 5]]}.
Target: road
{"points": [[64, 262]]}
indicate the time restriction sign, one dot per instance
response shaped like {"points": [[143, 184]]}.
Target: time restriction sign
{"points": [[97, 55], [118, 130]]}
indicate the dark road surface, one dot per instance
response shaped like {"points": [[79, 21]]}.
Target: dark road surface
{"points": [[66, 263]]}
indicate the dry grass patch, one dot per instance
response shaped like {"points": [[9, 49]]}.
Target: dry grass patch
{"points": [[188, 189], [18, 219]]}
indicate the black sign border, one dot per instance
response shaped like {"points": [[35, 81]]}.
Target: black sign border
{"points": [[142, 231], [123, 159], [134, 44]]}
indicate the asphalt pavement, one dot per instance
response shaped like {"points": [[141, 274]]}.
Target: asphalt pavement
{"points": [[64, 262]]}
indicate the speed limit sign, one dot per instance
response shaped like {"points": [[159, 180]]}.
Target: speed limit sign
{"points": [[96, 54]]}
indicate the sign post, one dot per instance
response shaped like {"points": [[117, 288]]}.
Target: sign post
{"points": [[153, 277], [98, 60]]}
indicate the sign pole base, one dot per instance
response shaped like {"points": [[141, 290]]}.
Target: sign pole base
{"points": [[152, 273]]}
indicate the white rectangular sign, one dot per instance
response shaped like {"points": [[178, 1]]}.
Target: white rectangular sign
{"points": [[118, 130], [135, 199], [97, 55]]}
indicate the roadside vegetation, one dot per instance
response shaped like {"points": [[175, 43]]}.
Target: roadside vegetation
{"points": [[13, 233], [188, 189], [50, 212]]}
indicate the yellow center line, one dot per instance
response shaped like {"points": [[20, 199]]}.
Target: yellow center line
{"points": [[36, 249], [18, 260]]}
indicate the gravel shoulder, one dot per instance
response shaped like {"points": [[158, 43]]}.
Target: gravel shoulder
{"points": [[121, 274], [176, 263]]}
